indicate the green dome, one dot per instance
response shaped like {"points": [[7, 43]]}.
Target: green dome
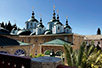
{"points": [[24, 32], [4, 31], [48, 32], [40, 25], [33, 19], [67, 26], [57, 22], [34, 33]]}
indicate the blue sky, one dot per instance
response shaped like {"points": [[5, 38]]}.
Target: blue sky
{"points": [[85, 16]]}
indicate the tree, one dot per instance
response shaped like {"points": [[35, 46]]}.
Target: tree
{"points": [[14, 26], [98, 31], [5, 25], [9, 26], [2, 24], [85, 57]]}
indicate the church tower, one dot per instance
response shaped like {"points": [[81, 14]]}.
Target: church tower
{"points": [[51, 23], [40, 28], [32, 23], [58, 26], [67, 28]]}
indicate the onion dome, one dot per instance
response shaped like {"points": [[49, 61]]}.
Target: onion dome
{"points": [[57, 16], [24, 32], [40, 24], [13, 30], [67, 26], [54, 17], [32, 18], [48, 32], [58, 21], [4, 31]]}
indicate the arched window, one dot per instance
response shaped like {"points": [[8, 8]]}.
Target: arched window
{"points": [[50, 25], [34, 25], [67, 30], [28, 40], [47, 52], [27, 25], [4, 52], [58, 28], [44, 40], [36, 52], [36, 40], [31, 25], [59, 53], [39, 31], [20, 52], [66, 38]]}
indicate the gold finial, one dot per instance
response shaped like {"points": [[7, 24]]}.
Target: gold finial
{"points": [[66, 17], [32, 8], [15, 21], [57, 11], [54, 7], [40, 15]]}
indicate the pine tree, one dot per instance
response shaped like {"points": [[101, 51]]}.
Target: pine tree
{"points": [[9, 26], [2, 25], [5, 25]]}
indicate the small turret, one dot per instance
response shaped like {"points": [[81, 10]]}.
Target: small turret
{"points": [[66, 20], [32, 12], [57, 16], [54, 17]]}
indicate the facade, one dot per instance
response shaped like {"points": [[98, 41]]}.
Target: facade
{"points": [[97, 39], [35, 33], [38, 41], [11, 46]]}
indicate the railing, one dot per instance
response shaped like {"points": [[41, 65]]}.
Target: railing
{"points": [[13, 61], [63, 66]]}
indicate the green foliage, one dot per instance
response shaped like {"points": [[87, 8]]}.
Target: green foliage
{"points": [[2, 24], [39, 55], [47, 52], [80, 54], [69, 55], [86, 57], [31, 55], [59, 53]]}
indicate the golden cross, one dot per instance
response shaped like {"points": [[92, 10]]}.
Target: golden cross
{"points": [[32, 8], [57, 11], [54, 7], [66, 17], [40, 15], [15, 21]]}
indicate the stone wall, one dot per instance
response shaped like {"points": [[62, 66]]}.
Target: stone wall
{"points": [[37, 40], [45, 62], [13, 49]]}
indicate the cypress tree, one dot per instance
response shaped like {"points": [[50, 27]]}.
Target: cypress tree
{"points": [[98, 31], [9, 26], [2, 25]]}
